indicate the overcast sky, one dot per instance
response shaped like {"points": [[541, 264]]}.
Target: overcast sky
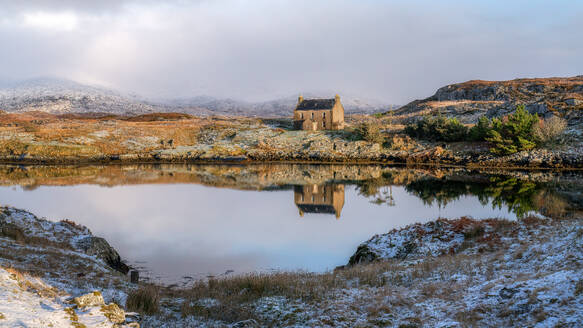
{"points": [[394, 51]]}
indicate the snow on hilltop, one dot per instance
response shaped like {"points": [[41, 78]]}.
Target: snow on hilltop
{"points": [[62, 96], [277, 107], [58, 96]]}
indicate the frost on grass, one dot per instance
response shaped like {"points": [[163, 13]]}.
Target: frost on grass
{"points": [[43, 260], [445, 273]]}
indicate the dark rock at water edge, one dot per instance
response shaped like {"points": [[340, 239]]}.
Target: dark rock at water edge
{"points": [[362, 255], [100, 248]]}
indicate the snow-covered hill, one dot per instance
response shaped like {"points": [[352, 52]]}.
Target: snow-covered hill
{"points": [[63, 96], [277, 107], [60, 96]]}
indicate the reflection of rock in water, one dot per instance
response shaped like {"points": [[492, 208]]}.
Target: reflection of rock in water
{"points": [[325, 199]]}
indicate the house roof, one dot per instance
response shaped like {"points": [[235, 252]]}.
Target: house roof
{"points": [[316, 104], [317, 208]]}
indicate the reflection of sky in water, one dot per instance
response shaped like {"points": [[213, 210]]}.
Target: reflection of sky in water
{"points": [[196, 230]]}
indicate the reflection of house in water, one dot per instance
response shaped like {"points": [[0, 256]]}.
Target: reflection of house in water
{"points": [[325, 199]]}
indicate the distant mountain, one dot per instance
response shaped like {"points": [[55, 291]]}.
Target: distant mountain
{"points": [[469, 100], [60, 96], [63, 96], [277, 107]]}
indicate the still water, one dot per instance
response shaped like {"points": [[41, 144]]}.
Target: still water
{"points": [[177, 222]]}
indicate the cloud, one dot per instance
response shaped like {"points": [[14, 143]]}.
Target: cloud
{"points": [[59, 21], [390, 50]]}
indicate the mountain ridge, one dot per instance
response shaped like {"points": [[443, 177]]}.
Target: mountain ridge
{"points": [[61, 96]]}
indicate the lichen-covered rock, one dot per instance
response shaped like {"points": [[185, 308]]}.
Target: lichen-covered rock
{"points": [[87, 300], [114, 313]]}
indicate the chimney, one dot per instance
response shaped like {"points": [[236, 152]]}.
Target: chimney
{"points": [[337, 98], [300, 99]]}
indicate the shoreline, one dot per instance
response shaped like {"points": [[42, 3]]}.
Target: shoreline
{"points": [[401, 263], [228, 161], [25, 140]]}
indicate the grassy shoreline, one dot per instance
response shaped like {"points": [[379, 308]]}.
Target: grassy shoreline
{"points": [[454, 260], [40, 138]]}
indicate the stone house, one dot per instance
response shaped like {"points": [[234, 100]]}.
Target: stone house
{"points": [[323, 199], [319, 114]]}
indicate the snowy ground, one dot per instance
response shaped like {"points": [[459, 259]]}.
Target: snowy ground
{"points": [[30, 302], [445, 273]]}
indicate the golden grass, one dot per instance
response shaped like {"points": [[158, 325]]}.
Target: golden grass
{"points": [[381, 278], [562, 81], [27, 282], [145, 299], [445, 103], [35, 134]]}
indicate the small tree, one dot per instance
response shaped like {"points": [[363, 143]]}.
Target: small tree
{"points": [[370, 132], [479, 132], [513, 133]]}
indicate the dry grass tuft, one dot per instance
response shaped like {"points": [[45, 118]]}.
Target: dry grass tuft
{"points": [[579, 288], [145, 299], [32, 284]]}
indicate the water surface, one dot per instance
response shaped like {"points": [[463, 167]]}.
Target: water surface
{"points": [[195, 221]]}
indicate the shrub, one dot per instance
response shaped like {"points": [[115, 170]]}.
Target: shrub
{"points": [[144, 300], [437, 129], [513, 133], [370, 132], [549, 131], [479, 132]]}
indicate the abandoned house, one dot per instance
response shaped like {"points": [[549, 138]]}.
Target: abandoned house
{"points": [[323, 199], [319, 114]]}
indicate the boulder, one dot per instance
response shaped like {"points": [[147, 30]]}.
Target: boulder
{"points": [[362, 255], [87, 300], [100, 248], [114, 313], [12, 231]]}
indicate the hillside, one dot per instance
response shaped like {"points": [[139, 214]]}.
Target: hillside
{"points": [[57, 96], [272, 108], [469, 100]]}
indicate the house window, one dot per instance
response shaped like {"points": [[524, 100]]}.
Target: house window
{"points": [[312, 198], [324, 198], [324, 115], [302, 197], [324, 124], [312, 115], [302, 116]]}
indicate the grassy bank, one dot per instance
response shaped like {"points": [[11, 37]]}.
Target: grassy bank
{"points": [[454, 273], [39, 138]]}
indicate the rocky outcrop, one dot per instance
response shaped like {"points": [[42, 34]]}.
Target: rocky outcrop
{"points": [[100, 248], [25, 228], [436, 238], [469, 100]]}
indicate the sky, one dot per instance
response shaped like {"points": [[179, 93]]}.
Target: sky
{"points": [[392, 51]]}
